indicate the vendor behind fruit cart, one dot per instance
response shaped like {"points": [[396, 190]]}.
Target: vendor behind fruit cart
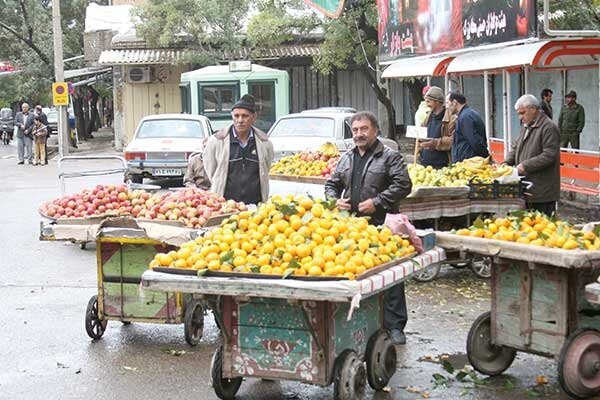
{"points": [[237, 159], [440, 123], [370, 180], [536, 154]]}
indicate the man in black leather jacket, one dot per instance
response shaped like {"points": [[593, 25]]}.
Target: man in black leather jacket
{"points": [[370, 180]]}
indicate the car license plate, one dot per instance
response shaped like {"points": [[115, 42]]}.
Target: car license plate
{"points": [[166, 172]]}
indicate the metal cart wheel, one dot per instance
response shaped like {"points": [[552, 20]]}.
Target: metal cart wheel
{"points": [[579, 364], [428, 274], [381, 359], [224, 388], [94, 326], [193, 322], [349, 379], [484, 356], [481, 266]]}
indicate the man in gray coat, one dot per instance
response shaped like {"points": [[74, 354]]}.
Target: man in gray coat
{"points": [[237, 159], [536, 154], [24, 122]]}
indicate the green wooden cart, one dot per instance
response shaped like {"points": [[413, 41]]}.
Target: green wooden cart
{"points": [[539, 306], [308, 331], [122, 255]]}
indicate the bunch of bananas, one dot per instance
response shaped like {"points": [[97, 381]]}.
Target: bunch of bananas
{"points": [[476, 169]]}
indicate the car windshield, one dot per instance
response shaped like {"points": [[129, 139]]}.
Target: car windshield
{"points": [[305, 126], [52, 116], [170, 128]]}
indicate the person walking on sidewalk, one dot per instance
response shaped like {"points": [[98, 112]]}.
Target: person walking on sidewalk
{"points": [[44, 118], [40, 133], [23, 122], [469, 136], [370, 180], [536, 154], [237, 159], [571, 121]]}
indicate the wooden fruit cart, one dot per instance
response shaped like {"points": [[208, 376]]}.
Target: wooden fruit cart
{"points": [[309, 331], [122, 255], [124, 248], [539, 306], [315, 180], [418, 208]]}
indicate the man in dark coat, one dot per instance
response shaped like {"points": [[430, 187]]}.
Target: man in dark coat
{"points": [[469, 135], [536, 154], [547, 103], [370, 180]]}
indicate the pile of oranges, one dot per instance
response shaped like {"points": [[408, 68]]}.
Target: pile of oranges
{"points": [[534, 228], [290, 236]]}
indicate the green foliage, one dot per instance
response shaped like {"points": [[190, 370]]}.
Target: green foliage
{"points": [[26, 35], [576, 14], [200, 25]]}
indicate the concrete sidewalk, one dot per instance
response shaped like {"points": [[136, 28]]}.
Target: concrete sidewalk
{"points": [[101, 144]]}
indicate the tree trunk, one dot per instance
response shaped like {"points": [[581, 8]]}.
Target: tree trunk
{"points": [[383, 98], [94, 122]]}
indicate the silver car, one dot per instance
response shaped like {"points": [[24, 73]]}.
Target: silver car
{"points": [[162, 145]]}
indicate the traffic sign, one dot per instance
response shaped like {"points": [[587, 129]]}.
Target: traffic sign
{"points": [[60, 94]]}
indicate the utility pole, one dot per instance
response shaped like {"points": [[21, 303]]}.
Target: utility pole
{"points": [[59, 76]]}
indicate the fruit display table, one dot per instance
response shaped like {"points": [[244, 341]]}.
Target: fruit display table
{"points": [[436, 207], [315, 332], [316, 180], [538, 306]]}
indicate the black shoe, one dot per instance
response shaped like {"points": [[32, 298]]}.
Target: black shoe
{"points": [[21, 163], [397, 336]]}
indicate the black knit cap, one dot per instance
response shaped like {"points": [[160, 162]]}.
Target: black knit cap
{"points": [[247, 102]]}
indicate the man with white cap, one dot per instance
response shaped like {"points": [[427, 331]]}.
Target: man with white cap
{"points": [[440, 123]]}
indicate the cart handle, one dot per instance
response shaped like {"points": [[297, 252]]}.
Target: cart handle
{"points": [[96, 172]]}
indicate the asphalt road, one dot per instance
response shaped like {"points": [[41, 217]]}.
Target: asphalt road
{"points": [[45, 352]]}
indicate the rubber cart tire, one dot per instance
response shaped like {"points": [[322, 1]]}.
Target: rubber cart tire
{"points": [[93, 325], [224, 388], [349, 379], [428, 274], [484, 356], [481, 266], [579, 364], [380, 357], [193, 322]]}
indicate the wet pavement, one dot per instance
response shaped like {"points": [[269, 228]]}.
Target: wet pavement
{"points": [[45, 352]]}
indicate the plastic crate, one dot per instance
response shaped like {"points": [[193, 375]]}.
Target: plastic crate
{"points": [[512, 191], [495, 190], [482, 191]]}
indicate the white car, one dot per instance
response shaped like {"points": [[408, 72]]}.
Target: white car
{"points": [[162, 144], [309, 129]]}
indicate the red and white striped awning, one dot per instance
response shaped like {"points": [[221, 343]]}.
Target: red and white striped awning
{"points": [[543, 55]]}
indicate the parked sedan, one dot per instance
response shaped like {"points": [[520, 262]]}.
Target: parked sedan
{"points": [[162, 144], [309, 129]]}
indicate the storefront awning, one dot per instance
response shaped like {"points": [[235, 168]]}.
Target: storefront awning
{"points": [[546, 54], [417, 66]]}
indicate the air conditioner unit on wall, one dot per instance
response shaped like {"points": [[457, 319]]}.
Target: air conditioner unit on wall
{"points": [[138, 74]]}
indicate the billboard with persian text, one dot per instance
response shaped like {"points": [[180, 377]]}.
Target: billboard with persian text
{"points": [[421, 27]]}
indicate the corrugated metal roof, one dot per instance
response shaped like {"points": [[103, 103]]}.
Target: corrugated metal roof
{"points": [[166, 56], [140, 56]]}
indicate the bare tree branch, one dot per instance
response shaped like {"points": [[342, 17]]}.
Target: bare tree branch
{"points": [[28, 42]]}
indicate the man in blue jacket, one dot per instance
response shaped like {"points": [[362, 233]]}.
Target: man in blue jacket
{"points": [[469, 135]]}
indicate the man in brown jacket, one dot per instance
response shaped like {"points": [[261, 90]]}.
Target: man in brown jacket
{"points": [[536, 154], [440, 123]]}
